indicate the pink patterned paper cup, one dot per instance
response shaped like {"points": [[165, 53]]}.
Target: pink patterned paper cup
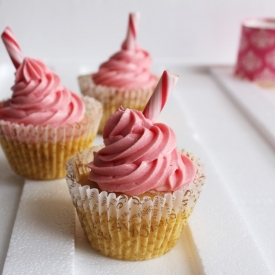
{"points": [[256, 57]]}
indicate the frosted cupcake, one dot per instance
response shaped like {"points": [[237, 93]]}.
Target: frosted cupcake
{"points": [[125, 79], [133, 195], [43, 123]]}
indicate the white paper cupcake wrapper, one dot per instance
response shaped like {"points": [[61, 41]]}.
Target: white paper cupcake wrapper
{"points": [[132, 228], [112, 98], [36, 134]]}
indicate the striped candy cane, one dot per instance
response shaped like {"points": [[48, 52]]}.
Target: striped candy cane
{"points": [[159, 97], [12, 47], [131, 38]]}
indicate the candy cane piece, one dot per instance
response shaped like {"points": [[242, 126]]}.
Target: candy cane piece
{"points": [[131, 38], [12, 47], [159, 97]]}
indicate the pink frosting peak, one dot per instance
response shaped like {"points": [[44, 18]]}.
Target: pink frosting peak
{"points": [[126, 69], [39, 98], [139, 156]]}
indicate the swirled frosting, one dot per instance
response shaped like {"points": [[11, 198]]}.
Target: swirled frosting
{"points": [[139, 156], [126, 69], [39, 98]]}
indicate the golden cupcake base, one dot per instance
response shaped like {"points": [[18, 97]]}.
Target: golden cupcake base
{"points": [[42, 161], [132, 241]]}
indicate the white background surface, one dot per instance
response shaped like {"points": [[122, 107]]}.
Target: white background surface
{"points": [[188, 31], [232, 228]]}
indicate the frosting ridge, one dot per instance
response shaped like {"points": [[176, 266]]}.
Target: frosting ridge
{"points": [[126, 69], [139, 156], [39, 98]]}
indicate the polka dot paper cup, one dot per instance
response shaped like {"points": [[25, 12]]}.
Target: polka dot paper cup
{"points": [[256, 56]]}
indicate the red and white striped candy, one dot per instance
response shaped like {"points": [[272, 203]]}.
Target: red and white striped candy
{"points": [[12, 47], [158, 99], [131, 38]]}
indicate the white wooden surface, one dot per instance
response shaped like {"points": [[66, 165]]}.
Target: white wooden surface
{"points": [[231, 229], [42, 240], [256, 103]]}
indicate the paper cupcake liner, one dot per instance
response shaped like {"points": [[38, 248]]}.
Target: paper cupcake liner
{"points": [[112, 98], [130, 228], [40, 153]]}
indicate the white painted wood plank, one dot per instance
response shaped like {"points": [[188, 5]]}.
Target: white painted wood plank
{"points": [[244, 162], [42, 240], [256, 102], [11, 186]]}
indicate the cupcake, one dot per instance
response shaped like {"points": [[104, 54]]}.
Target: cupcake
{"points": [[43, 123], [125, 79], [134, 194]]}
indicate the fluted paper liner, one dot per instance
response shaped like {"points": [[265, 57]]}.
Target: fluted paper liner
{"points": [[130, 228], [112, 98], [40, 152]]}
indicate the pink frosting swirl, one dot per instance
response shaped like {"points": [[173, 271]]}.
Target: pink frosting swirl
{"points": [[126, 69], [39, 98], [139, 156]]}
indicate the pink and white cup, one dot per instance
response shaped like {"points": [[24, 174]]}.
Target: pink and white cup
{"points": [[256, 57]]}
